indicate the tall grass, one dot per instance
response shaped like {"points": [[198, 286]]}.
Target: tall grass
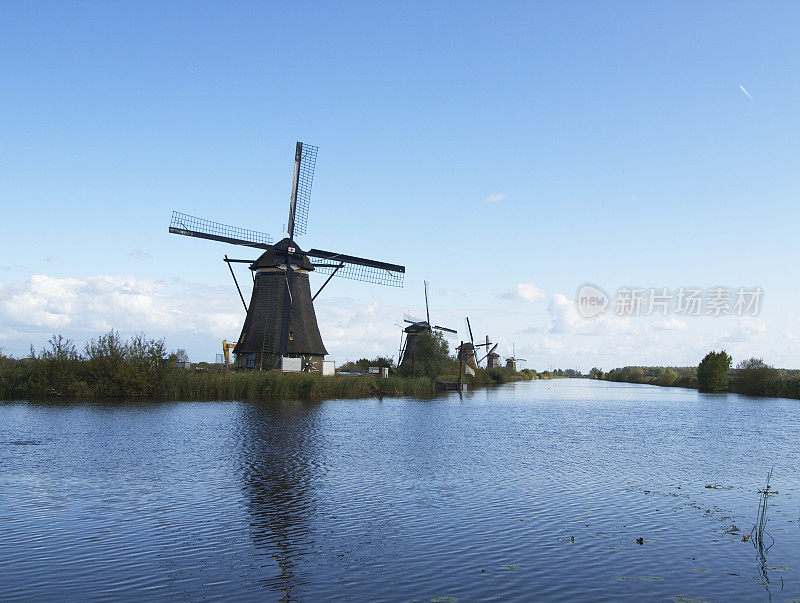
{"points": [[70, 379], [111, 367]]}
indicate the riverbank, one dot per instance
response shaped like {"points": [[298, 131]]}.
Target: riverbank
{"points": [[75, 378], [777, 383]]}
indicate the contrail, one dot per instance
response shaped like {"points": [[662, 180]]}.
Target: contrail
{"points": [[750, 96]]}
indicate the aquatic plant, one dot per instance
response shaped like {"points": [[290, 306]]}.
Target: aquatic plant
{"points": [[760, 528]]}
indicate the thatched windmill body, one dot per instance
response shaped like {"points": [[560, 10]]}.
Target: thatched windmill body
{"points": [[468, 350], [415, 327], [511, 361], [281, 322]]}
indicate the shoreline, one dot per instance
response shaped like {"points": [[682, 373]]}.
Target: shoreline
{"points": [[39, 379]]}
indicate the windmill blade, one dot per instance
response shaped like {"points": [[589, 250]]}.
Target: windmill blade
{"points": [[191, 226], [305, 161], [361, 269], [471, 340], [488, 353], [448, 333], [412, 319]]}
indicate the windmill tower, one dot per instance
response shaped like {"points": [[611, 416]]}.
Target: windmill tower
{"points": [[493, 358], [414, 328], [511, 362], [468, 351], [281, 323]]}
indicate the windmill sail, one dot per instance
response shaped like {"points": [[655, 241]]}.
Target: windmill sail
{"points": [[191, 226], [358, 269], [305, 161]]}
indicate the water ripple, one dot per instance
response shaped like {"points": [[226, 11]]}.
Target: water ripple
{"points": [[548, 490]]}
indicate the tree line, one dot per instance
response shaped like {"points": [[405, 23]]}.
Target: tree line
{"points": [[714, 374]]}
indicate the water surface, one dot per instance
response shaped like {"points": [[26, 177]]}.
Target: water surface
{"points": [[540, 489]]}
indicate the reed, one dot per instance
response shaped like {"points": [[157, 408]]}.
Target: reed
{"points": [[74, 378], [760, 528]]}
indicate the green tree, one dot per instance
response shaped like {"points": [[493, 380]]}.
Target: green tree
{"points": [[635, 374], [752, 376], [667, 377], [712, 372]]}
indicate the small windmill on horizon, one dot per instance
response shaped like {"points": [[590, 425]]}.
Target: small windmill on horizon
{"points": [[468, 350], [511, 361], [280, 329], [414, 328]]}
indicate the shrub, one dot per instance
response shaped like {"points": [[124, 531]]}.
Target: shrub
{"points": [[712, 372], [752, 377]]}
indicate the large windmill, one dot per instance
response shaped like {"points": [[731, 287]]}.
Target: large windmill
{"points": [[414, 328], [281, 322]]}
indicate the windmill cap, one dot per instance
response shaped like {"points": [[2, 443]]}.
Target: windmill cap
{"points": [[272, 256]]}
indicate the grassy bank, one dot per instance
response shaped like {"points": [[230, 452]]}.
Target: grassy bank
{"points": [[665, 376], [760, 380], [31, 378], [140, 369]]}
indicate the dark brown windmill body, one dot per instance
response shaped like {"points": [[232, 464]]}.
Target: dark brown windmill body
{"points": [[281, 323], [413, 330], [468, 352]]}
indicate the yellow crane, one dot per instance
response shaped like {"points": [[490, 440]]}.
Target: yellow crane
{"points": [[226, 348]]}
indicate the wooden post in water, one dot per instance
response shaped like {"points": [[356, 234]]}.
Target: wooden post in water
{"points": [[460, 364]]}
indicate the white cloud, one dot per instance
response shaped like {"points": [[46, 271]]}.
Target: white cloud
{"points": [[139, 254], [43, 305], [564, 318], [189, 315], [748, 329], [527, 292], [670, 324], [496, 198]]}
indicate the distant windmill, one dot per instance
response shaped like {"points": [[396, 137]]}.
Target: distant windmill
{"points": [[414, 328], [511, 362], [468, 351], [281, 322], [492, 358]]}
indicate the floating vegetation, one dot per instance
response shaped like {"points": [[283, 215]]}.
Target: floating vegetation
{"points": [[638, 578], [509, 567]]}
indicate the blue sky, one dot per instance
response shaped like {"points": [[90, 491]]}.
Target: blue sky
{"points": [[483, 145]]}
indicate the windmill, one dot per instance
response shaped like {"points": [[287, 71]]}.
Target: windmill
{"points": [[469, 349], [281, 323], [414, 328], [492, 358], [511, 362]]}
